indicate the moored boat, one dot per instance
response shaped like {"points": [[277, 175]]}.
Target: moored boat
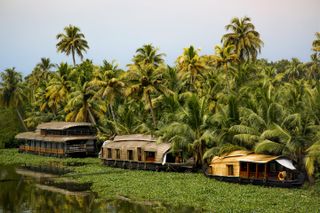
{"points": [[247, 167], [142, 152], [60, 139]]}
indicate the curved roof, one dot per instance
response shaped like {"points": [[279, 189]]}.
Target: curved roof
{"points": [[54, 138], [135, 137], [244, 156], [145, 142], [61, 125]]}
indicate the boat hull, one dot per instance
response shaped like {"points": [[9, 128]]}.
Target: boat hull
{"points": [[152, 166], [264, 182]]}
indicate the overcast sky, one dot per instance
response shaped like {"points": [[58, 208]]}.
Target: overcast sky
{"points": [[114, 29]]}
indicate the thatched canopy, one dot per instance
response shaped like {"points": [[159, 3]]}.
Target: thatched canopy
{"points": [[59, 125], [244, 156], [146, 143], [63, 138]]}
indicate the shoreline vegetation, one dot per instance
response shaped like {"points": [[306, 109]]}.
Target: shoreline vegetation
{"points": [[176, 189], [204, 105]]}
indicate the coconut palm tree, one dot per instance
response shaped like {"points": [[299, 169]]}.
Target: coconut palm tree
{"points": [[81, 104], [147, 55], [316, 43], [44, 66], [244, 37], [143, 82], [72, 41], [223, 58], [81, 107], [12, 92], [191, 65], [59, 87], [190, 133], [107, 83]]}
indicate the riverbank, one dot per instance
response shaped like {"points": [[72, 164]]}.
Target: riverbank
{"points": [[178, 189]]}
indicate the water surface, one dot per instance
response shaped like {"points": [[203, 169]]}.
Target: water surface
{"points": [[23, 190]]}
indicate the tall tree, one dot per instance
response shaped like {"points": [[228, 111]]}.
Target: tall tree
{"points": [[148, 55], [316, 43], [191, 65], [58, 88], [72, 41], [191, 132], [145, 81], [244, 37], [223, 58], [45, 65], [106, 81], [12, 92]]}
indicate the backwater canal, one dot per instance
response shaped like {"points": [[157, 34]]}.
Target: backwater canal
{"points": [[24, 189]]}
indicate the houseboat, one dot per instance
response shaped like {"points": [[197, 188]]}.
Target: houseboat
{"points": [[60, 139], [247, 167], [142, 152]]}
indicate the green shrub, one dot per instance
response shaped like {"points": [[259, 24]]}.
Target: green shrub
{"points": [[9, 127]]}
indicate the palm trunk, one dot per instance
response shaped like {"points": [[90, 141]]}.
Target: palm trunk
{"points": [[73, 57], [21, 120], [227, 76], [112, 112], [92, 120], [152, 112]]}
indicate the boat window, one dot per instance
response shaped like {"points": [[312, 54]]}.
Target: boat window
{"points": [[243, 166], [150, 156], [130, 154], [139, 154], [230, 170], [273, 167], [109, 153], [252, 167], [118, 153]]}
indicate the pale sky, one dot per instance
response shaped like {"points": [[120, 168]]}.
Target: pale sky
{"points": [[114, 29]]}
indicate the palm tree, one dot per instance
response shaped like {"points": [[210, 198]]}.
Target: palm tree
{"points": [[107, 83], [44, 66], [147, 55], [191, 65], [224, 57], [191, 132], [316, 43], [73, 41], [12, 93], [81, 104], [81, 107], [312, 158], [244, 37], [58, 88], [144, 81]]}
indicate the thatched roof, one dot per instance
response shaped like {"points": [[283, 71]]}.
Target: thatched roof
{"points": [[244, 156], [145, 142], [135, 137], [52, 138], [59, 125]]}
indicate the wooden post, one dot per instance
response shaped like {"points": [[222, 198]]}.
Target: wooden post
{"points": [[265, 171], [247, 170], [257, 171]]}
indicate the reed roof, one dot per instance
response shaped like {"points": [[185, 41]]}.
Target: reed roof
{"points": [[244, 156], [145, 142], [52, 138], [135, 137], [60, 125]]}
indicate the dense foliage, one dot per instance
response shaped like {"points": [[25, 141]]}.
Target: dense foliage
{"points": [[204, 105], [176, 189]]}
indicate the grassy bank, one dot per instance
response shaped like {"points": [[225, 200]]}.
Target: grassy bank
{"points": [[180, 188]]}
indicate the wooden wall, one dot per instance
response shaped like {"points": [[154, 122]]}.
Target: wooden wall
{"points": [[221, 168]]}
